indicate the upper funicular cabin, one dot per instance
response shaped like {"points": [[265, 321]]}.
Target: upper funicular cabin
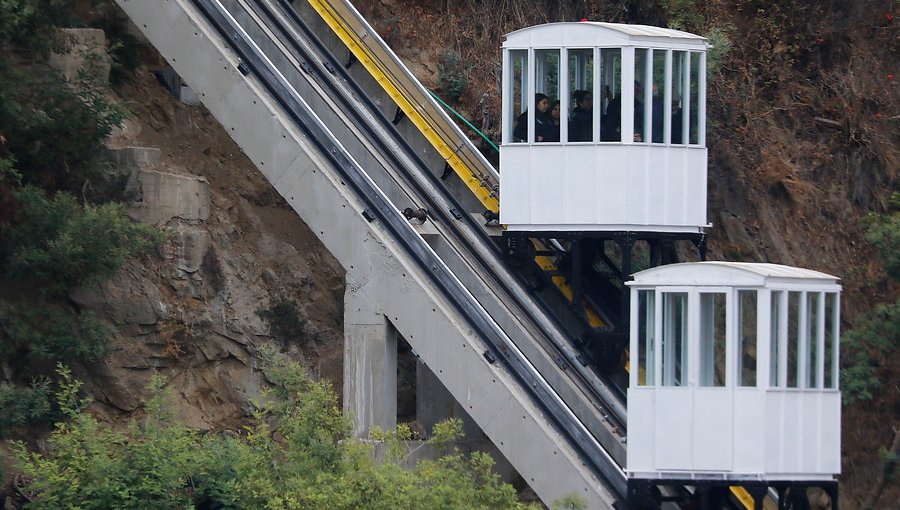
{"points": [[587, 163]]}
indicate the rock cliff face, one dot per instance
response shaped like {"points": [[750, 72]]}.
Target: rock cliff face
{"points": [[236, 252]]}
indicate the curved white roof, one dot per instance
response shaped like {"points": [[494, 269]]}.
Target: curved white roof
{"points": [[731, 274], [593, 33]]}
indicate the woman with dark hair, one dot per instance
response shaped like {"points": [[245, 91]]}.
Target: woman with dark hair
{"points": [[520, 133], [553, 121]]}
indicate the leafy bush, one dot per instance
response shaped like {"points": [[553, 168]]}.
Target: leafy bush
{"points": [[875, 335], [25, 406], [53, 332], [31, 24], [63, 244], [684, 15], [883, 232], [53, 130], [454, 74], [297, 453], [284, 319]]}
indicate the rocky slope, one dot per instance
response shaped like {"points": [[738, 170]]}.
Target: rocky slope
{"points": [[239, 263]]}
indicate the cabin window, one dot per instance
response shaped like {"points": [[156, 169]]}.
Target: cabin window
{"points": [[712, 338], [643, 67], [746, 362], [674, 338], [777, 338], [582, 100], [815, 336], [680, 96], [516, 91], [646, 354], [546, 83], [696, 98], [832, 316], [660, 108], [611, 87], [794, 321]]}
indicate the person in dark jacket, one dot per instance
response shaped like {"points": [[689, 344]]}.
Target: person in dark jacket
{"points": [[612, 131], [657, 111], [520, 133], [552, 131], [581, 125]]}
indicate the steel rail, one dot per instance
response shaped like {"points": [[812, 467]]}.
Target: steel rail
{"points": [[471, 238], [380, 208]]}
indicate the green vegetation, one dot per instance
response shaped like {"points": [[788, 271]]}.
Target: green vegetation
{"points": [[25, 406], [296, 453], [53, 130], [53, 332], [51, 133], [63, 244], [454, 74], [876, 334], [31, 24], [284, 319], [883, 232]]}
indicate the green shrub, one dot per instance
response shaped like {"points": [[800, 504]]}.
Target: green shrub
{"points": [[873, 337], [883, 232], [876, 333], [720, 40], [25, 406], [31, 24], [296, 453], [63, 244], [684, 15], [53, 332], [53, 130], [454, 74], [123, 48], [284, 319]]}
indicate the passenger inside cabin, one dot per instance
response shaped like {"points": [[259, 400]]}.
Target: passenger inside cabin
{"points": [[553, 123], [613, 133], [541, 105], [676, 119], [657, 113], [605, 97], [581, 127]]}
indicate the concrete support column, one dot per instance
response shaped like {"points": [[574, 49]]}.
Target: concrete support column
{"points": [[370, 364]]}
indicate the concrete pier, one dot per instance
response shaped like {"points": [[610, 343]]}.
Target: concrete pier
{"points": [[370, 364]]}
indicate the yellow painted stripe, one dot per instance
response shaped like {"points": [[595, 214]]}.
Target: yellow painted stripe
{"points": [[547, 265], [378, 68], [747, 500]]}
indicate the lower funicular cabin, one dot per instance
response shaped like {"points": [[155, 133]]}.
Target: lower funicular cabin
{"points": [[603, 129], [734, 376]]}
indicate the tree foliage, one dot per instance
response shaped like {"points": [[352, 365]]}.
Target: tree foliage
{"points": [[875, 334], [31, 24], [62, 243], [53, 332], [53, 130], [297, 452], [23, 406]]}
